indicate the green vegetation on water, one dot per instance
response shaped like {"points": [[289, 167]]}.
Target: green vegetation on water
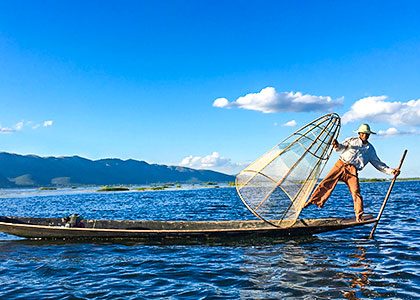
{"points": [[157, 188], [112, 189], [152, 188], [47, 188], [210, 183], [409, 179], [231, 183], [373, 179]]}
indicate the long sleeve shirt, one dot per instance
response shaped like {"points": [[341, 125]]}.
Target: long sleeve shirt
{"points": [[359, 155]]}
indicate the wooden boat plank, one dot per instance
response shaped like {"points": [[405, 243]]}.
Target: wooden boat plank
{"points": [[52, 228]]}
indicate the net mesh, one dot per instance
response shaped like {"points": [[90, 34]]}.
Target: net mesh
{"points": [[277, 185]]}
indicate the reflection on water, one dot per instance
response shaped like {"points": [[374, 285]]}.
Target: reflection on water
{"points": [[294, 270], [357, 275], [335, 265], [360, 278]]}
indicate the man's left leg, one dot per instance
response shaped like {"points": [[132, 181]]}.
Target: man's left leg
{"points": [[352, 181], [325, 188]]}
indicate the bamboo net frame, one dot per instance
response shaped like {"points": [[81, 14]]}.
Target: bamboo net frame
{"points": [[277, 185]]}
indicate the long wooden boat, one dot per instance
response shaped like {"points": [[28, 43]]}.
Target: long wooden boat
{"points": [[55, 229]]}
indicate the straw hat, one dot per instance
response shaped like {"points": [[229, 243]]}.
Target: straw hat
{"points": [[364, 128]]}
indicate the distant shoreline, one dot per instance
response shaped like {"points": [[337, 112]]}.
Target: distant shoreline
{"points": [[178, 185], [165, 186], [6, 192]]}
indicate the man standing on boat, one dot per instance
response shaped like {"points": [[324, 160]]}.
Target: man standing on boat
{"points": [[357, 153]]}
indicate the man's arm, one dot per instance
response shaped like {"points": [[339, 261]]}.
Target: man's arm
{"points": [[381, 166], [339, 147]]}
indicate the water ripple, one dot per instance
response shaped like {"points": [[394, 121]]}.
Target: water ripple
{"points": [[335, 265]]}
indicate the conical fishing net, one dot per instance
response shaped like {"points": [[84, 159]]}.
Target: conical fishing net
{"points": [[277, 185]]}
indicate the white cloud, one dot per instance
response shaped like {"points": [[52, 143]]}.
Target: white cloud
{"points": [[19, 125], [269, 101], [8, 130], [376, 109], [213, 162], [290, 124], [48, 123], [209, 161], [391, 132], [221, 102]]}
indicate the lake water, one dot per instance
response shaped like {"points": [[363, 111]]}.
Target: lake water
{"points": [[336, 265]]}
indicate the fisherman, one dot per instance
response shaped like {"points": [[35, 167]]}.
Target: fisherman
{"points": [[357, 153]]}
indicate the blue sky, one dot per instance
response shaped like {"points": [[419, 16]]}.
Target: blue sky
{"points": [[139, 79]]}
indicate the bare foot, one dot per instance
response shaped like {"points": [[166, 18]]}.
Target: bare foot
{"points": [[359, 219]]}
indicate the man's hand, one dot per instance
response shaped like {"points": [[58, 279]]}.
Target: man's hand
{"points": [[396, 172], [335, 143]]}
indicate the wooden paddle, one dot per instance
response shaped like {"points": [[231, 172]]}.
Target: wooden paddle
{"points": [[386, 197]]}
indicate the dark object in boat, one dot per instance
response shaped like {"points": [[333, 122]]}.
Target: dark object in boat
{"points": [[55, 228], [74, 220]]}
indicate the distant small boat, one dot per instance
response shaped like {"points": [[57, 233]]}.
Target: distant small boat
{"points": [[55, 229]]}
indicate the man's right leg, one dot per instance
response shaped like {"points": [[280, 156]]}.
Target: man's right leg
{"points": [[352, 180], [325, 188]]}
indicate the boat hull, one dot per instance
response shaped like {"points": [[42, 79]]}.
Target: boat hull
{"points": [[51, 228]]}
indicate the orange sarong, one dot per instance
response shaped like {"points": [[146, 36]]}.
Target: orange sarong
{"points": [[343, 172]]}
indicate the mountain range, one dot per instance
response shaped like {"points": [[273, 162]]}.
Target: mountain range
{"points": [[35, 171]]}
